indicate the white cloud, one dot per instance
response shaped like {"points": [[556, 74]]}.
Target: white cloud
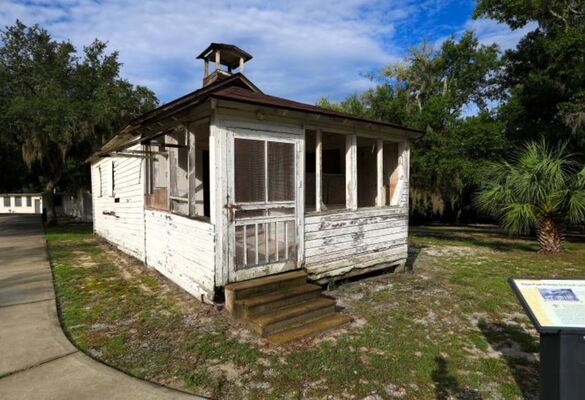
{"points": [[302, 49], [489, 31]]}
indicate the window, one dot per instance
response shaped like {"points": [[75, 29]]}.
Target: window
{"points": [[113, 180], [28, 201], [157, 177], [367, 172], [6, 201], [325, 186], [350, 171], [391, 175], [17, 201], [177, 171], [333, 175], [101, 192]]}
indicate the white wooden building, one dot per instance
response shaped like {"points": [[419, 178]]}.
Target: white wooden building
{"points": [[21, 203], [227, 184]]}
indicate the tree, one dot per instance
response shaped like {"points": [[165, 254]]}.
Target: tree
{"points": [[544, 77], [542, 188], [59, 107], [431, 90]]}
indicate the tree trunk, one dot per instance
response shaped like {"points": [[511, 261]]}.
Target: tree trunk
{"points": [[50, 203], [549, 236]]}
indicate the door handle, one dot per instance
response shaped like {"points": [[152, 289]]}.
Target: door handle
{"points": [[231, 207]]}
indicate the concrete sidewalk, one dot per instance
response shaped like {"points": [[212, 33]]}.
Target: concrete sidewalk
{"points": [[37, 361]]}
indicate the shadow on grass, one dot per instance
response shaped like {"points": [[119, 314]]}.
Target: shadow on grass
{"points": [[489, 241], [74, 230], [413, 253], [446, 385], [520, 351]]}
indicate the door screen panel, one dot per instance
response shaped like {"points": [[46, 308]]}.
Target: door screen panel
{"points": [[249, 172], [264, 210], [281, 171]]}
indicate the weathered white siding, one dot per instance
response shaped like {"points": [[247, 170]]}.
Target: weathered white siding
{"points": [[355, 241], [344, 242], [119, 216], [183, 250]]}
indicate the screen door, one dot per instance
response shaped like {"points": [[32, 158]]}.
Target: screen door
{"points": [[262, 204]]}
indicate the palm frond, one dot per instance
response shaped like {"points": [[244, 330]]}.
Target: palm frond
{"points": [[576, 207], [519, 218]]}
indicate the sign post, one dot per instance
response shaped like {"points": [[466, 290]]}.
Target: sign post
{"points": [[556, 307]]}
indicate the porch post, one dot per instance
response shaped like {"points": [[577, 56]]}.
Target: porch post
{"points": [[351, 172], [318, 169], [380, 200], [191, 168]]}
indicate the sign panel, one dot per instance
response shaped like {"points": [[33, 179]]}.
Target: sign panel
{"points": [[552, 304]]}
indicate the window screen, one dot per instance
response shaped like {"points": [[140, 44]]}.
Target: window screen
{"points": [[281, 171], [28, 201], [17, 201], [249, 170], [6, 201]]}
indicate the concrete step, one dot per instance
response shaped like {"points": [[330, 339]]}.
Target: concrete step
{"points": [[268, 302], [246, 289], [290, 316], [313, 327]]}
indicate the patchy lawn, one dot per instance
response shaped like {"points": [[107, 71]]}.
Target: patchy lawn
{"points": [[449, 329]]}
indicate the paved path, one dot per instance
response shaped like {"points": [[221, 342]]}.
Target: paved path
{"points": [[37, 361]]}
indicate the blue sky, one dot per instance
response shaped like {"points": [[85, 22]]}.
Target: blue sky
{"points": [[303, 49]]}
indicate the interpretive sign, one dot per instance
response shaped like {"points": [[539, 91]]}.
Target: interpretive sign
{"points": [[557, 309], [552, 304]]}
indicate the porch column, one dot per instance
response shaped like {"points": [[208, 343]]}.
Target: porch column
{"points": [[191, 169], [351, 172], [380, 199], [318, 169]]}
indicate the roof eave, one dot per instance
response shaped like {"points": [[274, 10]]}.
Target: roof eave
{"points": [[411, 133]]}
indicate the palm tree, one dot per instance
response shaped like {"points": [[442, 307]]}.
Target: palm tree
{"points": [[543, 188]]}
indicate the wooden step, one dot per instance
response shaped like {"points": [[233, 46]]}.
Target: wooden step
{"points": [[290, 316], [268, 302], [245, 289], [315, 326]]}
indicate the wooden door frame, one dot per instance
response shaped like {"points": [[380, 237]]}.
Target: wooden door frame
{"points": [[271, 134]]}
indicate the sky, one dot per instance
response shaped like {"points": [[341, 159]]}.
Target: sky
{"points": [[302, 49]]}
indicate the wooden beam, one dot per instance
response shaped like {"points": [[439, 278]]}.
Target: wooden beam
{"points": [[351, 172], [206, 68], [318, 169], [380, 199], [241, 65]]}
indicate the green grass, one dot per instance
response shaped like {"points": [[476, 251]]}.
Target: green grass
{"points": [[452, 328]]}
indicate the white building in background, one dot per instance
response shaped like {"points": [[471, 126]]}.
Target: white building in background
{"points": [[21, 203]]}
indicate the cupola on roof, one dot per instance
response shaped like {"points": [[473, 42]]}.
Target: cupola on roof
{"points": [[222, 54], [230, 55]]}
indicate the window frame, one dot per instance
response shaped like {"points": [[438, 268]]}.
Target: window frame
{"points": [[113, 182], [351, 173], [101, 191], [164, 145]]}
